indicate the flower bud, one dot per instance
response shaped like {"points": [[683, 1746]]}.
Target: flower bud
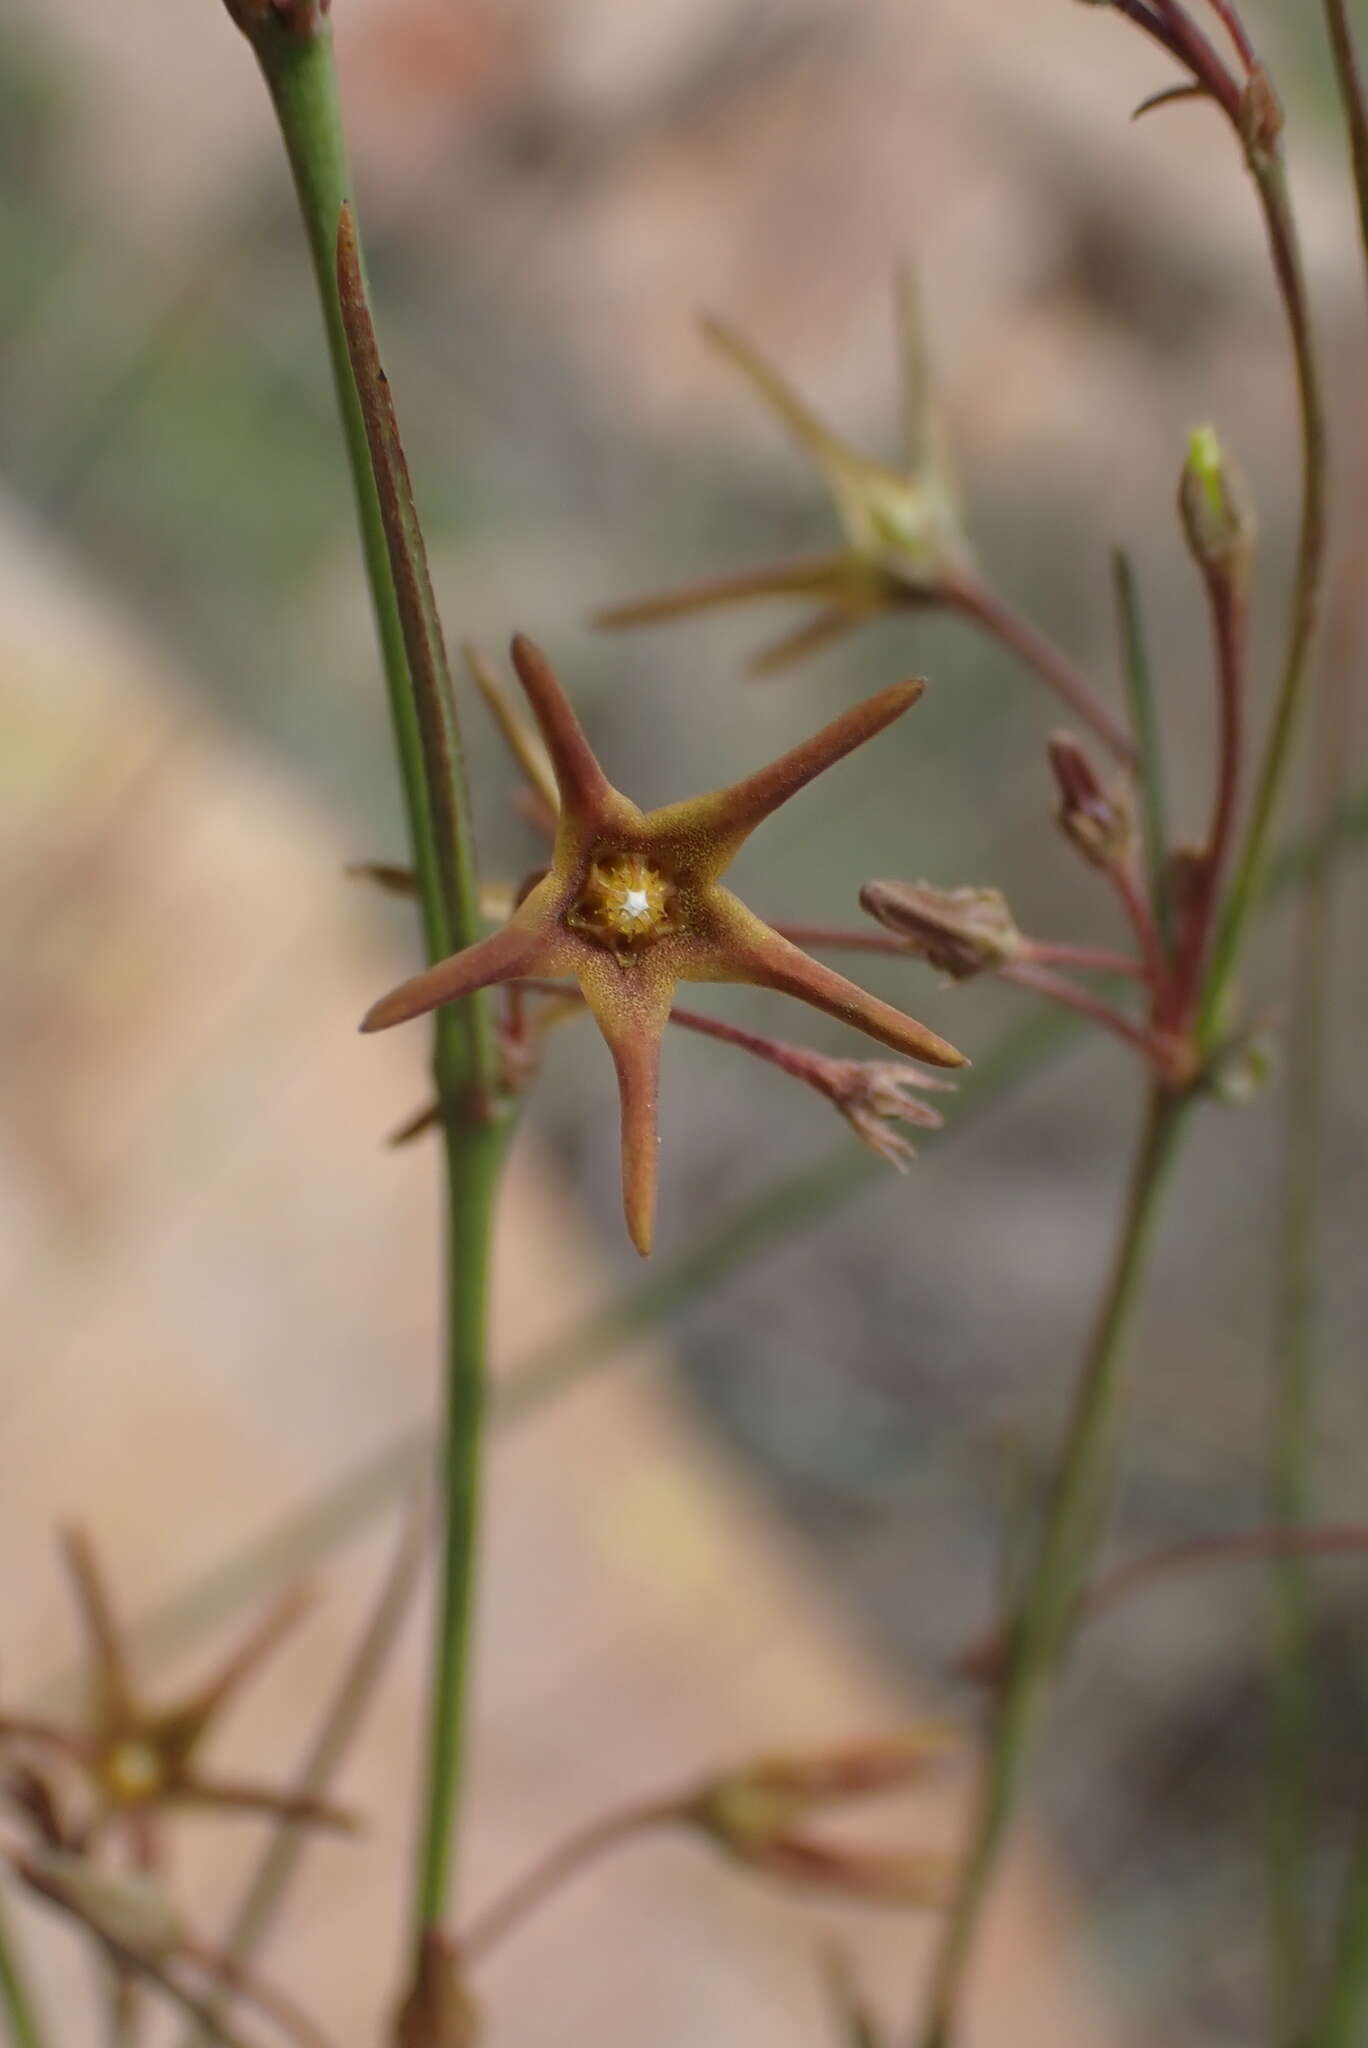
{"points": [[1097, 820], [1214, 503], [962, 932], [438, 2011]]}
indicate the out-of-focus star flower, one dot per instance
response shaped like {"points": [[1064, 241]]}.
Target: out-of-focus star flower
{"points": [[633, 903], [760, 1816], [140, 1759], [903, 539]]}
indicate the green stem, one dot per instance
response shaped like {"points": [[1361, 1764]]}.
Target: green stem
{"points": [[1341, 2022], [1350, 80], [294, 48], [16, 2003], [301, 77], [1041, 1625], [472, 1171], [1270, 181], [1144, 711], [1289, 1462]]}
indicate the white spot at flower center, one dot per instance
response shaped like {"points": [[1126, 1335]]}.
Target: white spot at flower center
{"points": [[626, 901]]}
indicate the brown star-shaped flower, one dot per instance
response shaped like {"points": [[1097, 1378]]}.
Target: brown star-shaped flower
{"points": [[141, 1759], [633, 903]]}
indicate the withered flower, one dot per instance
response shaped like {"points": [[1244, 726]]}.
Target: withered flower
{"points": [[759, 1816], [903, 539], [962, 932], [633, 903], [872, 1095], [141, 1759]]}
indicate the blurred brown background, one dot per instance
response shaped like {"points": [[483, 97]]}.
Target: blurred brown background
{"points": [[219, 1287]]}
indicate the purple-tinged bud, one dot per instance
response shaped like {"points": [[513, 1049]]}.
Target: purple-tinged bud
{"points": [[962, 932], [1095, 819]]}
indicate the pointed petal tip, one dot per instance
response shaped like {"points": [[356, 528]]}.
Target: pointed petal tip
{"points": [[641, 1231], [900, 697]]}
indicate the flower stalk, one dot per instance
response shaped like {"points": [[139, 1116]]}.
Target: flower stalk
{"points": [[1040, 1627], [292, 43]]}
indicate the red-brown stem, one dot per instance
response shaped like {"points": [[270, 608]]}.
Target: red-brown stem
{"points": [[1179, 34], [995, 617], [1055, 989], [825, 938], [1230, 626], [1094, 959], [1125, 879], [1236, 30], [528, 1893], [790, 1059], [1252, 1546]]}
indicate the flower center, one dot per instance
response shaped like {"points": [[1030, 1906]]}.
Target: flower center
{"points": [[625, 901], [133, 1771]]}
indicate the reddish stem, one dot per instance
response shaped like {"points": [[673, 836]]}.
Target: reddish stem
{"points": [[819, 938], [984, 1659], [1056, 989], [1184, 40], [1230, 622], [995, 617], [1125, 879], [1237, 32], [1093, 959], [528, 1893]]}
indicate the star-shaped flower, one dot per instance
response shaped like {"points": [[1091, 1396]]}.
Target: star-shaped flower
{"points": [[141, 1759], [633, 903]]}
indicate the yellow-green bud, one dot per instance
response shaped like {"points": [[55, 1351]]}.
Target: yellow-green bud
{"points": [[1216, 511]]}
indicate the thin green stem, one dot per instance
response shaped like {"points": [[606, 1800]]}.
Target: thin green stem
{"points": [[301, 77], [1350, 80], [1289, 1468], [1291, 1427], [1270, 180], [1144, 711], [1341, 2022], [16, 2001], [472, 1172], [1041, 1624], [294, 48]]}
